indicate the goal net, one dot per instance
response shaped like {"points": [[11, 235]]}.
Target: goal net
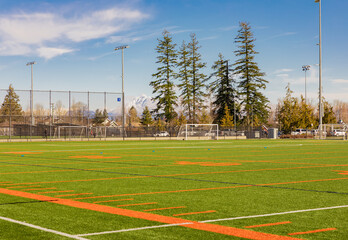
{"points": [[71, 132], [335, 131], [199, 132]]}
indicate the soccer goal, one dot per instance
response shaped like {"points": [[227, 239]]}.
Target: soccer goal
{"points": [[70, 132], [335, 131], [199, 132]]}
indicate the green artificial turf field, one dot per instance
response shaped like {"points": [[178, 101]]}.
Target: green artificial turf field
{"points": [[244, 189]]}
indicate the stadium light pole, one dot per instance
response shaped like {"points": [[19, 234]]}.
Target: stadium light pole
{"points": [[320, 77], [305, 68], [123, 118], [31, 93]]}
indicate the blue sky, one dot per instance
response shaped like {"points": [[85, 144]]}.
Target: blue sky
{"points": [[73, 41]]}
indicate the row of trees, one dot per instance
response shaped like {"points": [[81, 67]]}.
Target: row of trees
{"points": [[292, 113], [235, 89]]}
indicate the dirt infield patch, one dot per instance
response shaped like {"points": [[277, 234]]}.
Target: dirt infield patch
{"points": [[96, 157], [207, 164]]}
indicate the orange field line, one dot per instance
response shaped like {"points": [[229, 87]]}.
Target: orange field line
{"points": [[117, 200], [171, 175], [75, 194], [314, 231], [35, 189], [78, 180], [267, 224], [234, 158], [39, 171], [192, 213], [159, 209], [22, 152], [231, 231], [58, 191], [173, 191], [95, 157], [205, 189], [136, 204], [70, 170], [23, 186]]}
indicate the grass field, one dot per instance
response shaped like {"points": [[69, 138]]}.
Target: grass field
{"points": [[246, 189]]}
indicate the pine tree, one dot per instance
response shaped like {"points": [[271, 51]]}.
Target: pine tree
{"points": [[146, 119], [163, 85], [307, 118], [222, 88], [198, 79], [204, 117], [251, 80], [227, 119], [11, 106], [288, 112], [99, 117], [329, 115], [132, 116], [184, 76]]}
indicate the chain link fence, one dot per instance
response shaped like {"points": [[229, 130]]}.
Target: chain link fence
{"points": [[74, 115]]}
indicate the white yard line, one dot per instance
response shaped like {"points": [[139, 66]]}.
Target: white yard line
{"points": [[133, 229], [43, 229], [209, 221], [273, 214]]}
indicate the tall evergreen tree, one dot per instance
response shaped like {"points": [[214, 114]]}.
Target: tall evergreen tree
{"points": [[306, 118], [146, 118], [288, 112], [227, 119], [163, 85], [223, 90], [132, 116], [11, 106], [251, 80], [198, 79], [99, 117], [329, 115], [185, 76]]}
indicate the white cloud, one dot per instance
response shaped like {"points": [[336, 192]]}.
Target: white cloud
{"points": [[312, 76], [228, 28], [48, 53], [340, 81], [283, 75], [38, 33], [283, 70]]}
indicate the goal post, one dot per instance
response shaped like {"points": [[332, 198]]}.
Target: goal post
{"points": [[71, 132], [335, 131], [199, 132]]}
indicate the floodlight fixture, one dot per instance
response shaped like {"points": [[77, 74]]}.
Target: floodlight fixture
{"points": [[305, 68], [121, 47]]}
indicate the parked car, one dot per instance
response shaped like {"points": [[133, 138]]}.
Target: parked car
{"points": [[337, 132], [299, 131], [161, 134]]}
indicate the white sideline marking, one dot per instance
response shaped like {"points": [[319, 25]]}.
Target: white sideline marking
{"points": [[43, 229], [274, 214], [207, 221], [133, 229]]}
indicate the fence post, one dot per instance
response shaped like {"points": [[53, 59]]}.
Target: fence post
{"points": [[88, 131], [70, 115]]}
